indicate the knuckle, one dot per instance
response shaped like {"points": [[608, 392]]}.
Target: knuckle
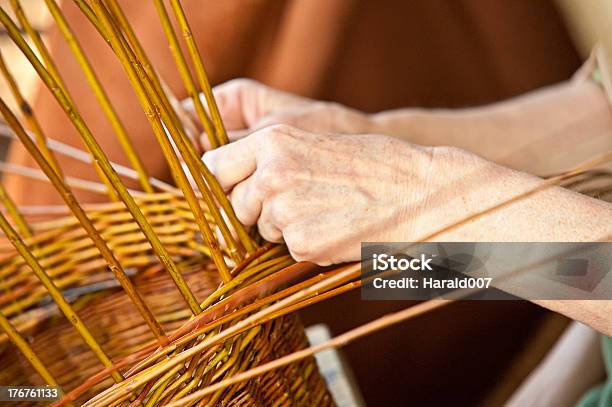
{"points": [[282, 210], [285, 211], [279, 132], [273, 143], [274, 176], [297, 242]]}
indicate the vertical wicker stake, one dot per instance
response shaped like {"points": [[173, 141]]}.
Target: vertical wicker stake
{"points": [[54, 73], [154, 90], [153, 101], [57, 296], [27, 351], [128, 60], [101, 95], [29, 115], [11, 208], [102, 161], [79, 213], [196, 58], [183, 69]]}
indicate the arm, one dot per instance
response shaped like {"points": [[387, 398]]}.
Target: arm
{"points": [[324, 194], [573, 116]]}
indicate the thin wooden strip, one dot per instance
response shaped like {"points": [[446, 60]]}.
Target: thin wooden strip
{"points": [[57, 296], [49, 66], [100, 94], [101, 160], [183, 69], [68, 197], [29, 115]]}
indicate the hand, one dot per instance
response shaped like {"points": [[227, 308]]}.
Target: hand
{"points": [[323, 194], [247, 105]]}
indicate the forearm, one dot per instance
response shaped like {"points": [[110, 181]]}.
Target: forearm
{"points": [[465, 184], [573, 116], [552, 214]]}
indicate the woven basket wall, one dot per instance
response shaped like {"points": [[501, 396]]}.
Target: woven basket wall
{"points": [[79, 271]]}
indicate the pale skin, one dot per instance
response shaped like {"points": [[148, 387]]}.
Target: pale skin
{"points": [[336, 181]]}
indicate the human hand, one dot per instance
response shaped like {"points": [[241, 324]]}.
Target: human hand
{"points": [[246, 106], [322, 194]]}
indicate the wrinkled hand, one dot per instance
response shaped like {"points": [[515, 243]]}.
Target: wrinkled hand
{"points": [[324, 194], [247, 105]]}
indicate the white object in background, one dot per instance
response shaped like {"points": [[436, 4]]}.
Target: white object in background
{"points": [[571, 368], [335, 370]]}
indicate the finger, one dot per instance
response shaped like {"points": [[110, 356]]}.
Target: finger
{"points": [[267, 225], [232, 162], [247, 201], [243, 102]]}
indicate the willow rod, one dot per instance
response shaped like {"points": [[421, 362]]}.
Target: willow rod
{"points": [[156, 84], [38, 43], [80, 214], [138, 379], [74, 182], [51, 69], [27, 351], [183, 69], [11, 208], [150, 95], [82, 156], [101, 159], [128, 62], [196, 58], [57, 296], [339, 341], [123, 25], [28, 114], [100, 94]]}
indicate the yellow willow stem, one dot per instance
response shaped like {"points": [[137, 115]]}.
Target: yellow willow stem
{"points": [[38, 42], [183, 69], [168, 116], [27, 351], [20, 222], [57, 296], [150, 77], [101, 95], [123, 25], [128, 61], [29, 115], [266, 268], [88, 226], [52, 70], [196, 58], [103, 163]]}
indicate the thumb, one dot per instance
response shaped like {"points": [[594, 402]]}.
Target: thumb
{"points": [[244, 102]]}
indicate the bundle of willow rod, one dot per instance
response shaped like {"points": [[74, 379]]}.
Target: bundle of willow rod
{"points": [[145, 234], [193, 322]]}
